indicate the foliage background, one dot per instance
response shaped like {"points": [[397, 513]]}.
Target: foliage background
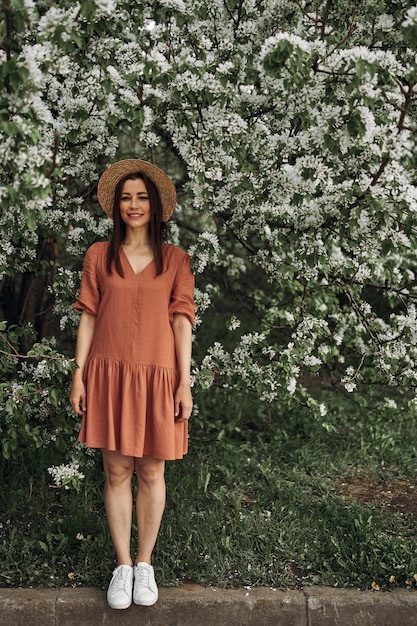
{"points": [[289, 130]]}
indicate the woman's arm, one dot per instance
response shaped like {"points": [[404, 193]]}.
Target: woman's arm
{"points": [[182, 329], [84, 339]]}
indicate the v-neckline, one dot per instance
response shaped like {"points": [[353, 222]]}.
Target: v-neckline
{"points": [[130, 265]]}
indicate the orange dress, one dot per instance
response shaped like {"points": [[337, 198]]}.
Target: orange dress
{"points": [[131, 372]]}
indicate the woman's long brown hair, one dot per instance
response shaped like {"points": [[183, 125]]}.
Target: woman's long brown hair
{"points": [[157, 228]]}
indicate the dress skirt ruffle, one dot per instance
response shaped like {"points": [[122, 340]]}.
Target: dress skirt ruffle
{"points": [[136, 408]]}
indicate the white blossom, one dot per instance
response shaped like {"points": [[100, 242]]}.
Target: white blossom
{"points": [[411, 17], [63, 474], [233, 323]]}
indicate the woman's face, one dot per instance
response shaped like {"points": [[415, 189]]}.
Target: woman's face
{"points": [[135, 209]]}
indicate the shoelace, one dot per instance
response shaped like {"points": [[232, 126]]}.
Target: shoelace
{"points": [[143, 576], [121, 579]]}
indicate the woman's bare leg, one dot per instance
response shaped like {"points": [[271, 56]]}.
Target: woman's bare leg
{"points": [[118, 501], [150, 504]]}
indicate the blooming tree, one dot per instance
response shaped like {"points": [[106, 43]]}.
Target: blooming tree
{"points": [[288, 129]]}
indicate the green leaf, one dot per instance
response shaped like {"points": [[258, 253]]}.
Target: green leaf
{"points": [[54, 397]]}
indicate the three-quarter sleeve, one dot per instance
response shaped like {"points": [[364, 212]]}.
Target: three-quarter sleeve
{"points": [[89, 298], [182, 295]]}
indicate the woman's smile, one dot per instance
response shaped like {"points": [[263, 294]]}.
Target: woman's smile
{"points": [[134, 203]]}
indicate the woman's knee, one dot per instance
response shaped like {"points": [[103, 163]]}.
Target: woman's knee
{"points": [[117, 468], [150, 471]]}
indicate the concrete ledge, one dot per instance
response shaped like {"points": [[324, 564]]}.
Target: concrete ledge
{"points": [[192, 605], [21, 607], [349, 607], [189, 606]]}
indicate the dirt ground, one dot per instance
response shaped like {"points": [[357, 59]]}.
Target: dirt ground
{"points": [[396, 496]]}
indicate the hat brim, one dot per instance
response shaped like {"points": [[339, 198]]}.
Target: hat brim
{"points": [[117, 171]]}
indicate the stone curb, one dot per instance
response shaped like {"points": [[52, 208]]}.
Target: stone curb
{"points": [[193, 605]]}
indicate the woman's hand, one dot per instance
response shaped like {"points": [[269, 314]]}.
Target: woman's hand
{"points": [[78, 395], [183, 402], [85, 336]]}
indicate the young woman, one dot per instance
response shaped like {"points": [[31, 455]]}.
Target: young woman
{"points": [[133, 352]]}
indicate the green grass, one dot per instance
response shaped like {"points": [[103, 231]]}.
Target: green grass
{"points": [[254, 504]]}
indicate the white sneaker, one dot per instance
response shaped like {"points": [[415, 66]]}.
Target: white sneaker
{"points": [[145, 591], [119, 593]]}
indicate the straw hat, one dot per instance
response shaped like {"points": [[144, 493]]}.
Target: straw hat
{"points": [[117, 171]]}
